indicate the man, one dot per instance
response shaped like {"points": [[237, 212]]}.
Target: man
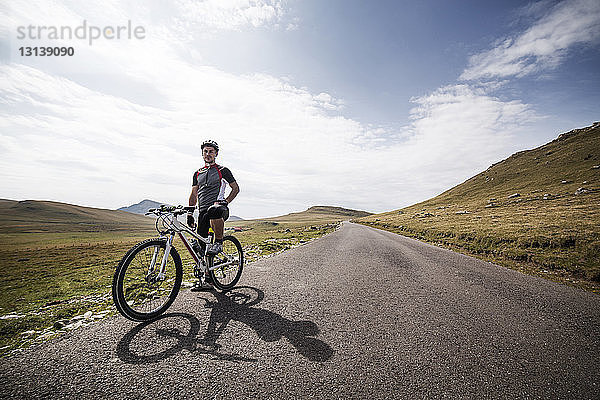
{"points": [[208, 191]]}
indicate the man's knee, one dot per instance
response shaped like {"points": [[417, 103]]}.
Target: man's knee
{"points": [[218, 212]]}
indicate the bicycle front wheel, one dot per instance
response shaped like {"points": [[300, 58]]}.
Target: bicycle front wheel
{"points": [[226, 267], [140, 291]]}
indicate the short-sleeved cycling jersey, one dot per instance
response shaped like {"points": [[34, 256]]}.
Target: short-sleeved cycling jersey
{"points": [[212, 181]]}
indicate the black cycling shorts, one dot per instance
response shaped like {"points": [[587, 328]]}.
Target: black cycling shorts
{"points": [[212, 212]]}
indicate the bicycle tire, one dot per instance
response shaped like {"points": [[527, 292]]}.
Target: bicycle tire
{"points": [[226, 277], [134, 294]]}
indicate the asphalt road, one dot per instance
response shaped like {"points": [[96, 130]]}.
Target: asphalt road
{"points": [[360, 313]]}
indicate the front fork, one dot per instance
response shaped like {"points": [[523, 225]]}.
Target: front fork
{"points": [[163, 262]]}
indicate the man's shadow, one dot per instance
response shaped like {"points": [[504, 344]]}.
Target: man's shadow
{"points": [[236, 305]]}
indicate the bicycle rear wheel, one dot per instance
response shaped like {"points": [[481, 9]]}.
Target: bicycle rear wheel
{"points": [[229, 264], [139, 292]]}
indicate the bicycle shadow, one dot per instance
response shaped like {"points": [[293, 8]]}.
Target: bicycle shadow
{"points": [[169, 337], [238, 305]]}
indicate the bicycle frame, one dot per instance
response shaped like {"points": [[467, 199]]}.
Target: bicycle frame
{"points": [[175, 226]]}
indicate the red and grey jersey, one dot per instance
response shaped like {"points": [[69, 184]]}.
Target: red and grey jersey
{"points": [[211, 181]]}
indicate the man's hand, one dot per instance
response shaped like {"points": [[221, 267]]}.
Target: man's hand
{"points": [[221, 203], [191, 221]]}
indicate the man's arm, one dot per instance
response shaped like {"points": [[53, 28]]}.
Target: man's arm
{"points": [[194, 196], [235, 189]]}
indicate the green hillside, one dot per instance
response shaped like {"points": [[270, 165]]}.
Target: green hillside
{"points": [[557, 168], [31, 216], [538, 211]]}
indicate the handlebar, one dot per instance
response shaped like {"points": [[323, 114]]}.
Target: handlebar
{"points": [[176, 210], [166, 221]]}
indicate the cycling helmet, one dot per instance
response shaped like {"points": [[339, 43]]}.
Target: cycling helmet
{"points": [[210, 143]]}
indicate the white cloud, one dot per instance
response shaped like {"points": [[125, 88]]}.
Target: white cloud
{"points": [[462, 128], [543, 46], [293, 25], [286, 151], [268, 131], [88, 138], [456, 132], [227, 14]]}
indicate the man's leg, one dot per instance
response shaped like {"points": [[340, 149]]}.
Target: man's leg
{"points": [[217, 214], [218, 226], [203, 225]]}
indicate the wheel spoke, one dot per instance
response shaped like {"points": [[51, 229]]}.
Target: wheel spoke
{"points": [[227, 275], [140, 293]]}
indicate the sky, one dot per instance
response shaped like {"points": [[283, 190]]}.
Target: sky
{"points": [[360, 104]]}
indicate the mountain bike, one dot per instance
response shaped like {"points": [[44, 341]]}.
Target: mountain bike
{"points": [[148, 277]]}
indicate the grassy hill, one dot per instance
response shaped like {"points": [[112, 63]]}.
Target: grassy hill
{"points": [[315, 215], [57, 253], [312, 215], [327, 213], [538, 211], [31, 216], [269, 235]]}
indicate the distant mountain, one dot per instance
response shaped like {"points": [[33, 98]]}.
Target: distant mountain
{"points": [[330, 210], [142, 207], [49, 216], [316, 213]]}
